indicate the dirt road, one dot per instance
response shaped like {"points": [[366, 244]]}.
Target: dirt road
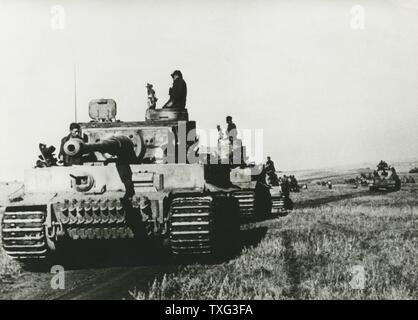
{"points": [[106, 283], [93, 273]]}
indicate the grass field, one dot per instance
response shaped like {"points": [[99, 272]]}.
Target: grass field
{"points": [[314, 252]]}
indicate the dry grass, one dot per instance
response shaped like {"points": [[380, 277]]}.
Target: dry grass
{"points": [[309, 254], [8, 267]]}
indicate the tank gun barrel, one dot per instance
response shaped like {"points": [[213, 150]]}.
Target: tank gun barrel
{"points": [[120, 146]]}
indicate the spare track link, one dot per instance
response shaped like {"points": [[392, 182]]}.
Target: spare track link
{"points": [[191, 225], [23, 234], [94, 219]]}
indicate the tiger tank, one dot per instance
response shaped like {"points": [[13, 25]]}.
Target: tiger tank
{"points": [[133, 179], [385, 178]]}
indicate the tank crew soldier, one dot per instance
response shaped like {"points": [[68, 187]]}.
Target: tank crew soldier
{"points": [[125, 174], [152, 99], [220, 132], [285, 186], [231, 135], [66, 160], [75, 132], [294, 185], [177, 92], [231, 130], [270, 165], [382, 165], [270, 173]]}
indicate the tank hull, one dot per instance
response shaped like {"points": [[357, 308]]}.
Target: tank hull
{"points": [[384, 185], [172, 202], [257, 199], [385, 180]]}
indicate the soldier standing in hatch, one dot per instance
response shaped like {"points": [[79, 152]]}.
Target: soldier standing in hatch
{"points": [[231, 130], [220, 132], [231, 134], [382, 165], [178, 92], [152, 99], [270, 165], [270, 172]]}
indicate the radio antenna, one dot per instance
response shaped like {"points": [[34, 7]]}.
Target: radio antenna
{"points": [[75, 94]]}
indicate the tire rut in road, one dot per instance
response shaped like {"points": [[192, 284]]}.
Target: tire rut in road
{"points": [[115, 284]]}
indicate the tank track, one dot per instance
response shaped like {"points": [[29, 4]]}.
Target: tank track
{"points": [[191, 225], [278, 205], [23, 233], [94, 219], [247, 202]]}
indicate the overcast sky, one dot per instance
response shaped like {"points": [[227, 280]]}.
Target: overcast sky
{"points": [[324, 93]]}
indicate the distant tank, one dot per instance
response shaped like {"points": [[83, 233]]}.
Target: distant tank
{"points": [[385, 178], [188, 199]]}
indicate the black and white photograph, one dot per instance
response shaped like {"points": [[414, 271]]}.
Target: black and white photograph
{"points": [[217, 152]]}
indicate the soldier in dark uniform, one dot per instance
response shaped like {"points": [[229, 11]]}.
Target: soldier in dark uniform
{"points": [[75, 132], [231, 130], [294, 185], [382, 165], [270, 173], [270, 165], [178, 92], [152, 99], [231, 134], [66, 160], [285, 185], [396, 178]]}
